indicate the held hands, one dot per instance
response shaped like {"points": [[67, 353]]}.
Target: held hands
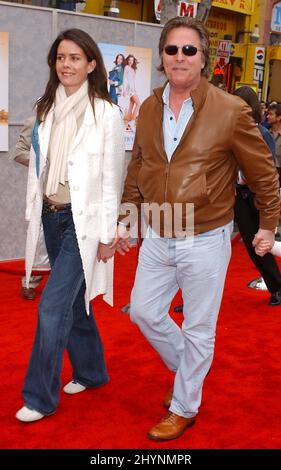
{"points": [[105, 252], [122, 240], [263, 241], [121, 243]]}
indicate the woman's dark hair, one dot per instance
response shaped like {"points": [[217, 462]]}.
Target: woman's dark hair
{"points": [[190, 23], [123, 60], [249, 95], [134, 65], [97, 79]]}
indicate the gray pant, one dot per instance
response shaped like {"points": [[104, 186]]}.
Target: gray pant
{"points": [[199, 269]]}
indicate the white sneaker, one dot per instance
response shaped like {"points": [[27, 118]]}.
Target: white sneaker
{"points": [[258, 284], [26, 415], [73, 387], [261, 285]]}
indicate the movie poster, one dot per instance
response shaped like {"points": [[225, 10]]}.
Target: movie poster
{"points": [[4, 66], [129, 81]]}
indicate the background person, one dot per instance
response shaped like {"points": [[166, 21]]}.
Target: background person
{"points": [[21, 155], [274, 121], [247, 215]]}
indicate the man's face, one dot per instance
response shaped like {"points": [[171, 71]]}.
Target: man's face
{"points": [[183, 71], [272, 117]]}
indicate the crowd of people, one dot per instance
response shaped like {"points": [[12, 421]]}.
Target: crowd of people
{"points": [[186, 165]]}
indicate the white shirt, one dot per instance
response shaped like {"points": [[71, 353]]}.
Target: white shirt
{"points": [[172, 129]]}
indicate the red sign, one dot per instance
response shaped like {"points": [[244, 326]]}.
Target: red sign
{"points": [[223, 48], [184, 9]]}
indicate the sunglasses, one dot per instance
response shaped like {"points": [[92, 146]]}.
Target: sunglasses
{"points": [[187, 49]]}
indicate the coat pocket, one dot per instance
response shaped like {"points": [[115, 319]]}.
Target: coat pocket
{"points": [[194, 190]]}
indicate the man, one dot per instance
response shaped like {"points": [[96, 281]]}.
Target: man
{"points": [[190, 139], [21, 155], [274, 121]]}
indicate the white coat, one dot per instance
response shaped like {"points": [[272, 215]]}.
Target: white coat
{"points": [[96, 174]]}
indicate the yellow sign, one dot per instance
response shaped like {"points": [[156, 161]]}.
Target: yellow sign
{"points": [[241, 6], [273, 53], [238, 50]]}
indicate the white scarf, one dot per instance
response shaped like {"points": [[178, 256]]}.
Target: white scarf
{"points": [[67, 111]]}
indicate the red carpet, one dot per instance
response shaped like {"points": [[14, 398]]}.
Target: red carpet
{"points": [[241, 397]]}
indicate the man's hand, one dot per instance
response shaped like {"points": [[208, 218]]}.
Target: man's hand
{"points": [[263, 241], [121, 242], [105, 252]]}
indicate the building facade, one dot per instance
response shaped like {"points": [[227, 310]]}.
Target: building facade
{"points": [[245, 36]]}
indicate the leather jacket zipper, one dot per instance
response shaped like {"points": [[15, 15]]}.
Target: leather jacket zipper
{"points": [[166, 182]]}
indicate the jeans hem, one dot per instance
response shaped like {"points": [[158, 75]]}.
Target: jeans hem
{"points": [[30, 407], [96, 385]]}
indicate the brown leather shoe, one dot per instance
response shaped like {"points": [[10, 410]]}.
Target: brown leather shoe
{"points": [[170, 427], [28, 293], [168, 398]]}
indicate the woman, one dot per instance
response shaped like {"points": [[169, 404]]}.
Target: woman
{"points": [[74, 185], [129, 89], [116, 78], [246, 213]]}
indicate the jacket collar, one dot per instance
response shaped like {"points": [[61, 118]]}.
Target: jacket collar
{"points": [[198, 95]]}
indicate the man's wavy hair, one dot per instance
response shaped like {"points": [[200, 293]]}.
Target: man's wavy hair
{"points": [[190, 23], [97, 79]]}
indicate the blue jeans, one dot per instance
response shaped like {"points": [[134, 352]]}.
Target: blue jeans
{"points": [[62, 321]]}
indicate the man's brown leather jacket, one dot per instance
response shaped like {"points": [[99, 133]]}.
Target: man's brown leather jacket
{"points": [[220, 136]]}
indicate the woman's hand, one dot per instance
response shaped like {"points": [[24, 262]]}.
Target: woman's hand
{"points": [[105, 252]]}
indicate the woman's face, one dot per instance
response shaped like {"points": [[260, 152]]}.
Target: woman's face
{"points": [[72, 66], [130, 61], [119, 59]]}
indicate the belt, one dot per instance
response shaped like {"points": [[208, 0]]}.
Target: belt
{"points": [[51, 207]]}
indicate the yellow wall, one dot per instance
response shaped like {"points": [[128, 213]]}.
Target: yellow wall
{"points": [[220, 23], [94, 6], [128, 11], [248, 64], [134, 11], [275, 89], [272, 73]]}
